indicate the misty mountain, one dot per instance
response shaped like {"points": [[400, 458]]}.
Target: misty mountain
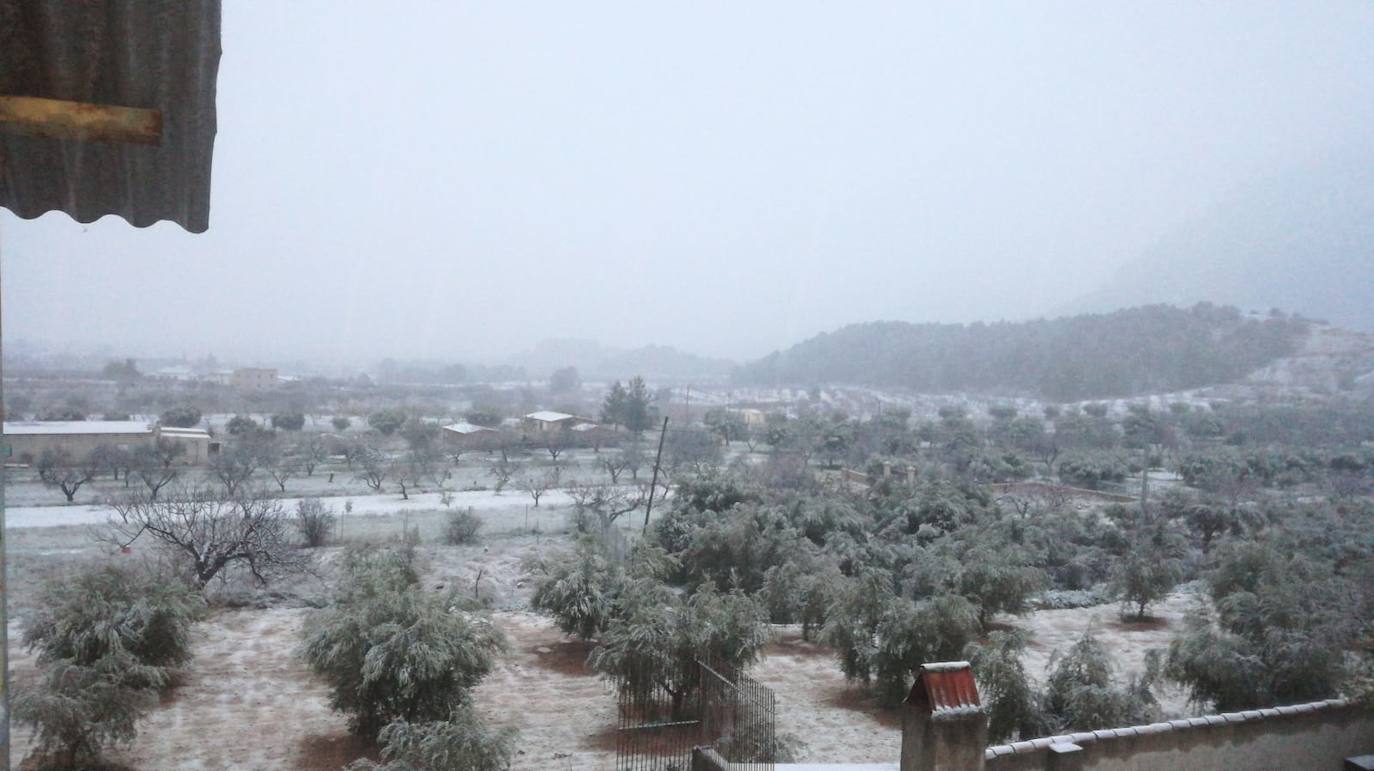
{"points": [[1303, 241], [596, 361], [1137, 350]]}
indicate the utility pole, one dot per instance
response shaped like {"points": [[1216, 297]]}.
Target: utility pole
{"points": [[648, 507]]}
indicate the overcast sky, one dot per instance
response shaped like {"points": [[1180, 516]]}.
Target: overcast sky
{"points": [[460, 180]]}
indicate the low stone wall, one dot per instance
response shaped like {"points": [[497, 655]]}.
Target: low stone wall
{"points": [[1319, 735]]}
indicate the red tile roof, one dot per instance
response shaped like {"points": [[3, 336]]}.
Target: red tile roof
{"points": [[946, 689]]}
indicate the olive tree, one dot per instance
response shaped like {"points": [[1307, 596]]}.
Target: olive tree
{"points": [[653, 644], [463, 740], [1012, 703], [1081, 692], [579, 588], [1151, 565], [881, 637], [107, 638], [1279, 633], [390, 650]]}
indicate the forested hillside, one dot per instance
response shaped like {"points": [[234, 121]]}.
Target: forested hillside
{"points": [[1137, 350]]}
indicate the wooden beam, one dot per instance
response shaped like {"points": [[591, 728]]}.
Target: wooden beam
{"points": [[61, 119]]}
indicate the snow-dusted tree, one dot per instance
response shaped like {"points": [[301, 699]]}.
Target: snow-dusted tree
{"points": [[373, 468], [212, 530], [310, 451], [67, 473], [600, 505], [464, 740], [882, 636], [1151, 565], [1013, 705], [234, 466], [107, 638], [501, 471], [578, 588], [391, 650], [314, 521], [535, 485], [153, 464], [654, 641], [1082, 691]]}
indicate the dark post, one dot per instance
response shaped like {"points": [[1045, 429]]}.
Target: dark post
{"points": [[649, 506], [4, 597]]}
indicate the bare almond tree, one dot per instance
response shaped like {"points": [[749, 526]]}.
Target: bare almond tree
{"points": [[312, 451], [555, 442], [501, 471], [213, 529], [373, 468], [235, 466], [615, 464], [153, 465], [537, 484], [66, 473], [607, 503]]}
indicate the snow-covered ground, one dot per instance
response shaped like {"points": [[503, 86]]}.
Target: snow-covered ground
{"points": [[375, 505]]}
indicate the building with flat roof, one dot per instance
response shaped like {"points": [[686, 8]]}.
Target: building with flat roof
{"points": [[196, 443], [25, 441], [254, 378], [548, 420]]}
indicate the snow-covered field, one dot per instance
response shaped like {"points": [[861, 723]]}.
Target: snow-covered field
{"points": [[248, 690], [17, 517], [247, 701]]}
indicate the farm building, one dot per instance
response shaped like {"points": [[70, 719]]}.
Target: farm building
{"points": [[468, 435], [753, 418], [27, 440], [548, 420], [196, 441], [254, 378]]}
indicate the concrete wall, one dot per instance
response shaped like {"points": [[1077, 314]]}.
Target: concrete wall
{"points": [[1305, 736], [196, 452]]}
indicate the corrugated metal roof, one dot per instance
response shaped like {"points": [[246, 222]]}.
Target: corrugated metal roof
{"points": [[946, 689], [76, 427], [154, 54]]}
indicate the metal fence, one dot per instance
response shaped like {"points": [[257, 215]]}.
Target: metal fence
{"points": [[713, 706]]}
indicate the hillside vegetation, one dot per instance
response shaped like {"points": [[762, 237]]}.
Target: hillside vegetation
{"points": [[1137, 350]]}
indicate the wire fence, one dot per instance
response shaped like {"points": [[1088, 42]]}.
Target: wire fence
{"points": [[661, 720]]}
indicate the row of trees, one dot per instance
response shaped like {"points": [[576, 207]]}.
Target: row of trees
{"points": [[1151, 349]]}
